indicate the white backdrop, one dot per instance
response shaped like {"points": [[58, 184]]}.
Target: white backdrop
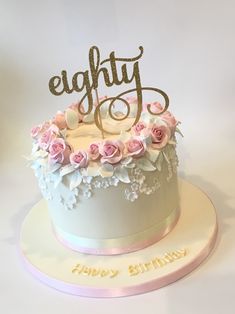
{"points": [[189, 53]]}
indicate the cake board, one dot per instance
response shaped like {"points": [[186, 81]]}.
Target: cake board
{"points": [[171, 258]]}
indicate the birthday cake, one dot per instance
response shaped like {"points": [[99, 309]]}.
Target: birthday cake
{"points": [[108, 193], [107, 170], [108, 167]]}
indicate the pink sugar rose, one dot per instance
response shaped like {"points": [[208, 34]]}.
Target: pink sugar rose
{"points": [[59, 152], [138, 127], [59, 120], [46, 125], [46, 138], [35, 131], [54, 128], [79, 159], [111, 151], [135, 147], [155, 107], [160, 135], [93, 151], [168, 117], [74, 107]]}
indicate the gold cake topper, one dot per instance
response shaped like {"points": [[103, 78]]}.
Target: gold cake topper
{"points": [[87, 82]]}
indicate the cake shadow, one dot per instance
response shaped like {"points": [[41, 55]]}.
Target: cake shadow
{"points": [[220, 201]]}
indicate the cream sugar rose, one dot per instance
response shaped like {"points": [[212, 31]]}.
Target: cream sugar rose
{"points": [[112, 195]]}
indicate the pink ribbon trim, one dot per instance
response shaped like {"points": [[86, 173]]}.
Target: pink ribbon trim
{"points": [[107, 248]]}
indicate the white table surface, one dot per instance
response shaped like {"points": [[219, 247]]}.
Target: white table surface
{"points": [[189, 53]]}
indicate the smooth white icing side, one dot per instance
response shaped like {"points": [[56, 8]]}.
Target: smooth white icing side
{"points": [[107, 214]]}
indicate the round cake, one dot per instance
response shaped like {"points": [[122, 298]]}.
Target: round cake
{"points": [[108, 192]]}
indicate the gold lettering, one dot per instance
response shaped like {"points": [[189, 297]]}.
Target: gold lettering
{"points": [[168, 258], [88, 81], [104, 272], [94, 60], [183, 252], [53, 84], [133, 270], [86, 271], [95, 272], [142, 268], [148, 266], [114, 273], [65, 82], [158, 262], [175, 255], [76, 269]]}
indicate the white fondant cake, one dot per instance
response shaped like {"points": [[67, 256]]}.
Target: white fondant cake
{"points": [[108, 195]]}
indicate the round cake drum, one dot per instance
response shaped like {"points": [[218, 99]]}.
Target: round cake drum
{"points": [[158, 265]]}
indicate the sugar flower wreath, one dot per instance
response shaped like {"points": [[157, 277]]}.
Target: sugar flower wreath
{"points": [[147, 147]]}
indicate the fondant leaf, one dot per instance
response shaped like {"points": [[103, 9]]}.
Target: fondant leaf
{"points": [[63, 133], [108, 167], [53, 168], [145, 138], [171, 142], [131, 165], [76, 191], [35, 148], [92, 171], [57, 180], [178, 131], [122, 174], [35, 165], [83, 172], [127, 160], [166, 158], [28, 158], [66, 170], [106, 170], [75, 180], [153, 154], [71, 118], [145, 164], [42, 161], [159, 162], [87, 179], [40, 153]]}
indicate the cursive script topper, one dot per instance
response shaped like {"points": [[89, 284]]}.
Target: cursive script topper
{"points": [[87, 82]]}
